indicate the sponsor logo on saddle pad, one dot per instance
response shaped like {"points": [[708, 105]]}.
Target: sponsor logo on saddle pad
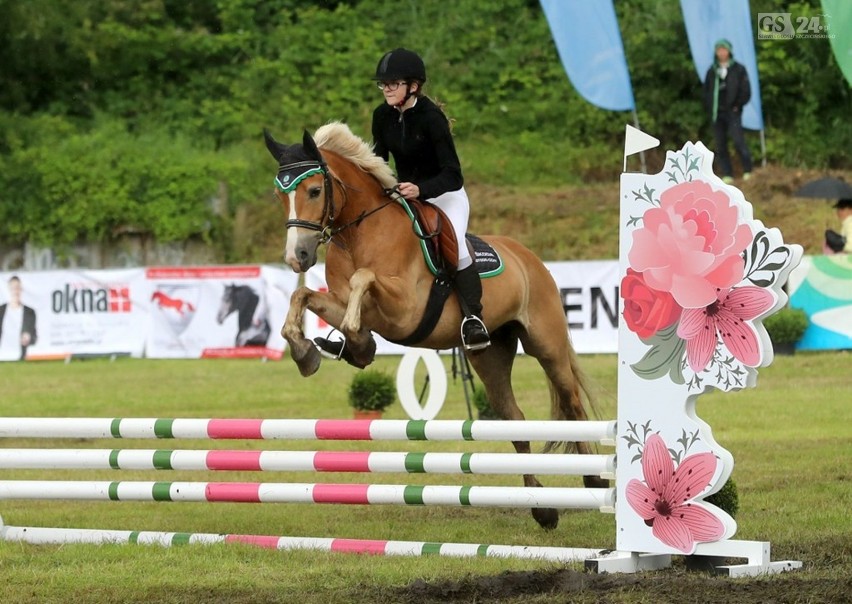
{"points": [[487, 260]]}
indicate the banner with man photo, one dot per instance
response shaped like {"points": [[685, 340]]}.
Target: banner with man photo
{"points": [[57, 314]]}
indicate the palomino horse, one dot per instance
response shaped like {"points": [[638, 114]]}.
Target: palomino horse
{"points": [[334, 189]]}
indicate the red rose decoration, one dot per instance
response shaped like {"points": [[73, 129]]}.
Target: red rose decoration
{"points": [[646, 310]]}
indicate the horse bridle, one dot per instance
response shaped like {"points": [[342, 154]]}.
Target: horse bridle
{"points": [[325, 227]]}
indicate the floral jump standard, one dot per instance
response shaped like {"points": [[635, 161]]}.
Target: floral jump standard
{"points": [[699, 275]]}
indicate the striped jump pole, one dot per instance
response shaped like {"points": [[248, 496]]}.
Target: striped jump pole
{"points": [[59, 536], [260, 492], [306, 461], [602, 499], [309, 429]]}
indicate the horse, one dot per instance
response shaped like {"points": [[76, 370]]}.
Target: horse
{"points": [[252, 331], [164, 301], [339, 192]]}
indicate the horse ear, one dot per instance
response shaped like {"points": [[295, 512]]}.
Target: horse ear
{"points": [[275, 148], [311, 147]]}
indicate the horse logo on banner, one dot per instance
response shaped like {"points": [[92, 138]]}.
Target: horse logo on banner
{"points": [[177, 304]]}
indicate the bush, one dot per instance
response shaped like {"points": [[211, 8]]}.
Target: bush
{"points": [[726, 498], [787, 326], [483, 407], [372, 390]]}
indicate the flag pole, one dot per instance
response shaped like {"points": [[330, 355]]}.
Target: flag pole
{"points": [[763, 148], [641, 153]]}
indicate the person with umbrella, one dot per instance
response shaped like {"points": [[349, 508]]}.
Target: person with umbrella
{"points": [[834, 188], [844, 238]]}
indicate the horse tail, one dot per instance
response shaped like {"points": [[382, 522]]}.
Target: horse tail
{"points": [[577, 404]]}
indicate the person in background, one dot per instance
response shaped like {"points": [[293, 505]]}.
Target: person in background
{"points": [[17, 325], [841, 243], [726, 91], [410, 127]]}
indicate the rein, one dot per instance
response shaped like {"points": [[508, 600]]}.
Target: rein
{"points": [[325, 226]]}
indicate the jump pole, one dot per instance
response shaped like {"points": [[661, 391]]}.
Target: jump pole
{"points": [[309, 429], [307, 461], [49, 536]]}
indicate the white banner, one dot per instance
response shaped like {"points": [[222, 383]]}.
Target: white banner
{"points": [[589, 292], [216, 311], [229, 311], [54, 314]]}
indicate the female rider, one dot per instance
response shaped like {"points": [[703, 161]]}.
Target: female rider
{"points": [[413, 129]]}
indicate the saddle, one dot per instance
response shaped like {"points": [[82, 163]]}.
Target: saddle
{"points": [[432, 226]]}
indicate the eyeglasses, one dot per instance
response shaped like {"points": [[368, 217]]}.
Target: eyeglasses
{"points": [[391, 86]]}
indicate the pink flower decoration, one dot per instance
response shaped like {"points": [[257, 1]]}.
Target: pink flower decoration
{"points": [[663, 499], [727, 316], [691, 245], [646, 310]]}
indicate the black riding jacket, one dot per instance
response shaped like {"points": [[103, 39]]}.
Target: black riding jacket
{"points": [[734, 90], [421, 144]]}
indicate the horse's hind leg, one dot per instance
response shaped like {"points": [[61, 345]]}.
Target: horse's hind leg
{"points": [[494, 367], [553, 351]]}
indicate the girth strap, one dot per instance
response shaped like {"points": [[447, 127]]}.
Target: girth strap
{"points": [[441, 289]]}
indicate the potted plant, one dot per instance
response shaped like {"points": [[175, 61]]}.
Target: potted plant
{"points": [[483, 407], [370, 393], [785, 328]]}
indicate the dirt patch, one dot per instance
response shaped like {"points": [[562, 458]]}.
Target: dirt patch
{"points": [[509, 585], [673, 585]]}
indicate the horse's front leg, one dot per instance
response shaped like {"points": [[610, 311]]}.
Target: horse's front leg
{"points": [[360, 345], [325, 305]]}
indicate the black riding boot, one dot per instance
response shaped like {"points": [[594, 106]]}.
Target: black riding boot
{"points": [[469, 288]]}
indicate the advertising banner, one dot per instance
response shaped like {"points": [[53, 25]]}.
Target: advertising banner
{"points": [[56, 314], [822, 287], [589, 292], [212, 311], [238, 311]]}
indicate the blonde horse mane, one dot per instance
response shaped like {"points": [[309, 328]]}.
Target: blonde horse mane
{"points": [[338, 138]]}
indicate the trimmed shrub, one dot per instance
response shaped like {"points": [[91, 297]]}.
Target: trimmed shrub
{"points": [[372, 390]]}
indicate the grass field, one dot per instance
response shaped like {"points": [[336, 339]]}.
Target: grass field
{"points": [[790, 438]]}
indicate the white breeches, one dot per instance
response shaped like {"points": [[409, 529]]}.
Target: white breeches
{"points": [[457, 208]]}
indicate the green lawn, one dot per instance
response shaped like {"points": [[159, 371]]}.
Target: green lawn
{"points": [[790, 438]]}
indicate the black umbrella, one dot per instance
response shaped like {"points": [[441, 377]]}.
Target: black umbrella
{"points": [[826, 188]]}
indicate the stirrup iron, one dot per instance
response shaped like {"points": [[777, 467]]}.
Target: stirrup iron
{"points": [[329, 348], [473, 347]]}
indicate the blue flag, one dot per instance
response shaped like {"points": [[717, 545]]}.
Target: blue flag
{"points": [[589, 44], [709, 20]]}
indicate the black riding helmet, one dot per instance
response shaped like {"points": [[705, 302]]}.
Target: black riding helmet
{"points": [[400, 64]]}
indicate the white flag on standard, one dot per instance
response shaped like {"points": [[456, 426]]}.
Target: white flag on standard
{"points": [[635, 141]]}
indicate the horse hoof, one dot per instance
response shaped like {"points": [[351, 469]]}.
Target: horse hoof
{"points": [[547, 518], [309, 362], [595, 482]]}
